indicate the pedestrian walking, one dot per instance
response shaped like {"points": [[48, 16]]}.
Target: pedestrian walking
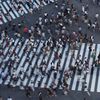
{"points": [[9, 98], [40, 96]]}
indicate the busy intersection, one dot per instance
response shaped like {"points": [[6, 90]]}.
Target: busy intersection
{"points": [[49, 50]]}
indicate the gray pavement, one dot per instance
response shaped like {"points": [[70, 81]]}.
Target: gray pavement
{"points": [[17, 94]]}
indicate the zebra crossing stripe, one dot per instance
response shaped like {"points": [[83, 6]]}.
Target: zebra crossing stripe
{"points": [[15, 65], [14, 13], [27, 6], [84, 52], [52, 73], [68, 60], [24, 9], [62, 63], [39, 62], [89, 74], [98, 85], [4, 44], [35, 4], [14, 10], [12, 48], [44, 2], [21, 63], [66, 63], [73, 63], [76, 76], [5, 12], [25, 68], [22, 60], [48, 68], [16, 7], [6, 56], [93, 80], [37, 1], [52, 0], [4, 19], [46, 59], [6, 69], [91, 83], [6, 6], [19, 49], [47, 63], [86, 55], [34, 61], [7, 48], [94, 75]]}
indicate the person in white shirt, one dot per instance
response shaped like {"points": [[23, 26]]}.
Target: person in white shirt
{"points": [[9, 98]]}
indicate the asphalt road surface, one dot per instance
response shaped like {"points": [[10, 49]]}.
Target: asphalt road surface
{"points": [[17, 94]]}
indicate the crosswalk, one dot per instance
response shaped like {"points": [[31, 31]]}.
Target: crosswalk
{"points": [[7, 8], [36, 58]]}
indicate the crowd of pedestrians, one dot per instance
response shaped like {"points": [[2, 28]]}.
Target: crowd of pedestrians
{"points": [[65, 17], [19, 5]]}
